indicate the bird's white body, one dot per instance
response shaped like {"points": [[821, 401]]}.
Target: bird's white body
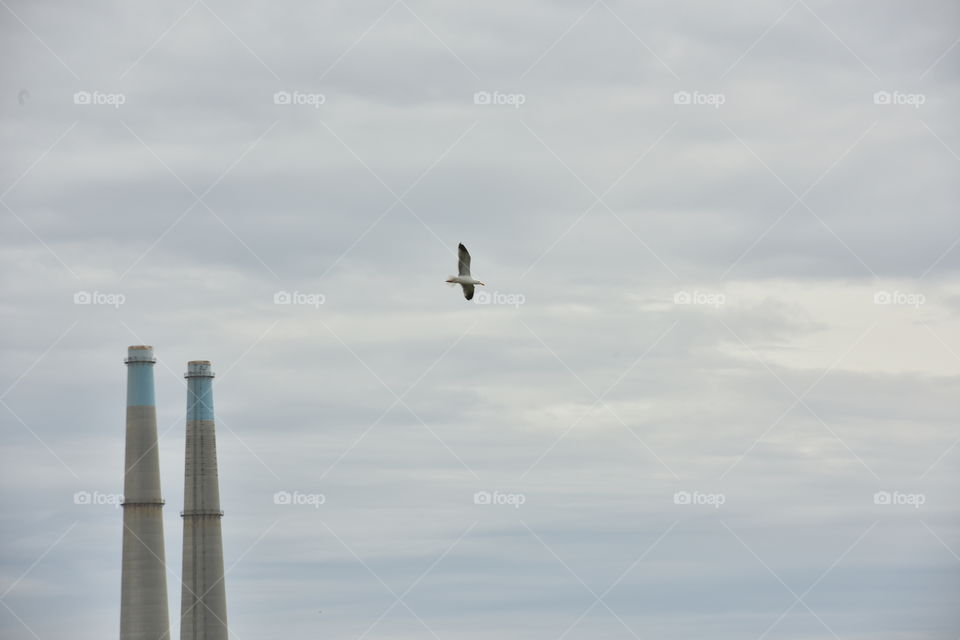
{"points": [[463, 280]]}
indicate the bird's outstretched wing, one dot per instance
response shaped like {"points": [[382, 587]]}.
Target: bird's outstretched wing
{"points": [[467, 291], [464, 264]]}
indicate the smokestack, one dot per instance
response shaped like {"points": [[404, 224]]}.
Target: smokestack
{"points": [[143, 584], [203, 614]]}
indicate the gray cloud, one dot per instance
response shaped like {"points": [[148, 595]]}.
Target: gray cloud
{"points": [[698, 398]]}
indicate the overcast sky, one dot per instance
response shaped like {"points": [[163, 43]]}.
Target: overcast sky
{"points": [[711, 381]]}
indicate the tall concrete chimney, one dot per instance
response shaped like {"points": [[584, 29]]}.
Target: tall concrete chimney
{"points": [[203, 614], [143, 584]]}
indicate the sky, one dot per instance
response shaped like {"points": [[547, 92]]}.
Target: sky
{"points": [[709, 389]]}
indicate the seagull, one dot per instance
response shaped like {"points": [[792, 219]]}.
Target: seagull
{"points": [[464, 279]]}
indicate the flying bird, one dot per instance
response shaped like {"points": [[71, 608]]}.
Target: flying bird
{"points": [[464, 279]]}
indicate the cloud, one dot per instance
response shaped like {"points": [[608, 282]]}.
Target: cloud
{"points": [[777, 379]]}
